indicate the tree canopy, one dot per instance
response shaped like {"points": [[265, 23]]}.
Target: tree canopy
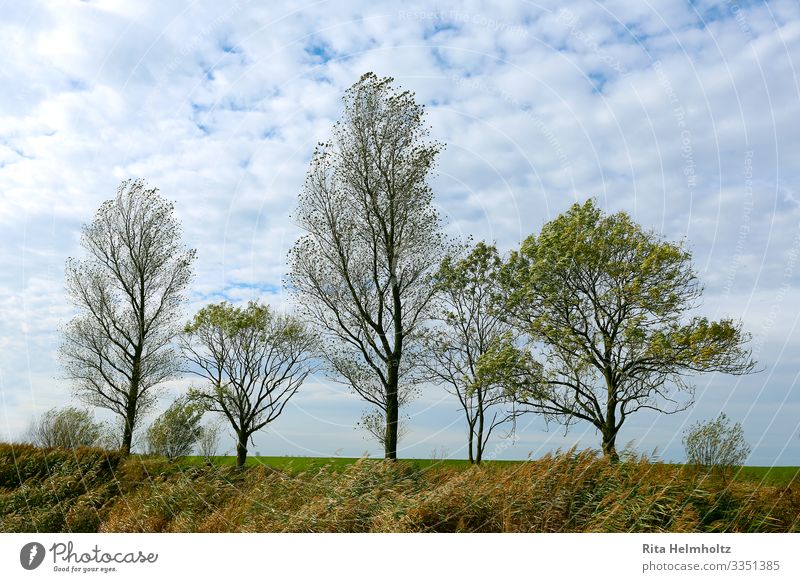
{"points": [[253, 361], [67, 428], [174, 433], [608, 309]]}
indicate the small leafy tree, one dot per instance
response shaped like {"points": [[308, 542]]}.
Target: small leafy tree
{"points": [[471, 350], [253, 360], [716, 444], [174, 433], [607, 307], [65, 428]]}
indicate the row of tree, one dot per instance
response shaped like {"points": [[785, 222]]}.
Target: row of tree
{"points": [[588, 320], [715, 444]]}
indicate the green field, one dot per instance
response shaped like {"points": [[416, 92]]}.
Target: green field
{"points": [[766, 475], [770, 475]]}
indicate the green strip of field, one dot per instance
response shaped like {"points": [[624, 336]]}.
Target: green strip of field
{"points": [[766, 475], [770, 475]]}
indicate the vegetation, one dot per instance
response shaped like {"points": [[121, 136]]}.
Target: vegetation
{"points": [[129, 292], [716, 444], [606, 305], [362, 274], [253, 362], [175, 432], [208, 443], [465, 348], [67, 428], [93, 490], [53, 490]]}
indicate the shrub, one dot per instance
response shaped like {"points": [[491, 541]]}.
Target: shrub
{"points": [[208, 443], [175, 432], [716, 444], [65, 428]]}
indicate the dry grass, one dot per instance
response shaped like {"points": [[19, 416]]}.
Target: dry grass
{"points": [[568, 492]]}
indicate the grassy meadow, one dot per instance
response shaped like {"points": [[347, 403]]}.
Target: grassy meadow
{"points": [[90, 490]]}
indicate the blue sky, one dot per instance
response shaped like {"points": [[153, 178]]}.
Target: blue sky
{"points": [[683, 114]]}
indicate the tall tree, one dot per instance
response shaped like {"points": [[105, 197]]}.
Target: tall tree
{"points": [[471, 350], [607, 307], [253, 360], [129, 291], [362, 273]]}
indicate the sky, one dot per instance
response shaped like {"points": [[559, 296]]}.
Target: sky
{"points": [[684, 114]]}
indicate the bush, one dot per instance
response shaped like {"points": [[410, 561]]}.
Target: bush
{"points": [[208, 443], [66, 428], [175, 432], [716, 444]]}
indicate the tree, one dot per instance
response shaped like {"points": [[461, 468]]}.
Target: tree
{"points": [[463, 351], [175, 432], [606, 305], [716, 444], [66, 428], [254, 361], [128, 291], [363, 272]]}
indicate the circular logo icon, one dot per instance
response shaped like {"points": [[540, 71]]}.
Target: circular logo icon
{"points": [[31, 555]]}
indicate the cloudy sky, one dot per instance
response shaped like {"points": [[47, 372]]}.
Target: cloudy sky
{"points": [[685, 114]]}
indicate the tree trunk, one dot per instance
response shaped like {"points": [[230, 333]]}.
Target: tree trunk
{"points": [[392, 415], [609, 428], [127, 434], [610, 444], [393, 376], [471, 440], [129, 420], [133, 397], [241, 451], [480, 428]]}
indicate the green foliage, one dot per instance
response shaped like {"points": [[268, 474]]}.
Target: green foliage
{"points": [[67, 428], [716, 444], [252, 360], [606, 304], [470, 349], [175, 432]]}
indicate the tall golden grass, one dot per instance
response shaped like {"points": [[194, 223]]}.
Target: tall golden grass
{"points": [[91, 490]]}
